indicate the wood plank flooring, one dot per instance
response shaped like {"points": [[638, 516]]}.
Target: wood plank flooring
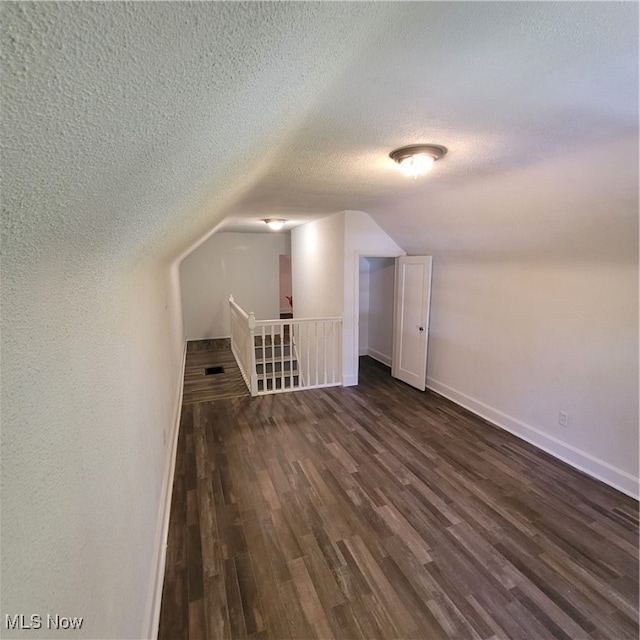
{"points": [[199, 387], [379, 511]]}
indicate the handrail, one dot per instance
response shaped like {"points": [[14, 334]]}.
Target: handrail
{"points": [[238, 308], [242, 343], [298, 320], [277, 356]]}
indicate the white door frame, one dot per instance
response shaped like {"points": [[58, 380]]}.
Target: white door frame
{"points": [[359, 253]]}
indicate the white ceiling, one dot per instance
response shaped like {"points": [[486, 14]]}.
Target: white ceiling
{"points": [[142, 126]]}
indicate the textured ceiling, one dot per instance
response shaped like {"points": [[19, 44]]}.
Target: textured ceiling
{"points": [[133, 128]]}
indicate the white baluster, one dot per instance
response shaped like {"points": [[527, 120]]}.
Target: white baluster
{"points": [[324, 345], [282, 356]]}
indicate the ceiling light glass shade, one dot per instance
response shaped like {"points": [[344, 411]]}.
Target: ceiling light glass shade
{"points": [[275, 224], [417, 165], [417, 159]]}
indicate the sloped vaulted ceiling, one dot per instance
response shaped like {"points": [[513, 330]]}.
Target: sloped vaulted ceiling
{"points": [[140, 126], [130, 126]]}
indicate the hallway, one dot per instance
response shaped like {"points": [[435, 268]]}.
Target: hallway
{"points": [[378, 511]]}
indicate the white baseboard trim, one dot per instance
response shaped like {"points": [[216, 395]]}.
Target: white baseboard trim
{"points": [[363, 352], [209, 338], [349, 380], [380, 357], [152, 620], [581, 460]]}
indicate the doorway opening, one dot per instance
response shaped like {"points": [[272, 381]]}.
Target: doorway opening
{"points": [[285, 287], [393, 300], [376, 304]]}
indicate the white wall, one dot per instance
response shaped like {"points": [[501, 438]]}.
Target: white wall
{"points": [[90, 395], [363, 316], [317, 267], [317, 258], [243, 264], [519, 335], [519, 342], [325, 259], [380, 316], [286, 286]]}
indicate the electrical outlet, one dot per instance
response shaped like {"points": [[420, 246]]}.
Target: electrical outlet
{"points": [[563, 418]]}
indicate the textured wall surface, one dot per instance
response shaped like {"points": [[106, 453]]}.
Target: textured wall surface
{"points": [[130, 131], [245, 265], [381, 296], [325, 263], [317, 256], [522, 335], [126, 129], [87, 409], [363, 307]]}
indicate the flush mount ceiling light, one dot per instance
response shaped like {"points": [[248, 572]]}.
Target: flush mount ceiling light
{"points": [[417, 159], [275, 224]]}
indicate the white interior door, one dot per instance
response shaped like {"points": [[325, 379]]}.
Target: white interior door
{"points": [[411, 320]]}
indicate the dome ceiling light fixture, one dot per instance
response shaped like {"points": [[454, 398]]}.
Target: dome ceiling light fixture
{"points": [[417, 159], [275, 224]]}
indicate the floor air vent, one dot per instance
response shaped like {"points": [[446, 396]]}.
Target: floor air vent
{"points": [[212, 371]]}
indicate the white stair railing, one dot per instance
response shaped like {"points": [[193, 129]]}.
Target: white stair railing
{"points": [[242, 344], [277, 356]]}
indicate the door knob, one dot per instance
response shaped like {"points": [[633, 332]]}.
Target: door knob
{"points": [[421, 328]]}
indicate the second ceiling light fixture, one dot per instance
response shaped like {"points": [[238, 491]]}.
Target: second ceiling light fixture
{"points": [[275, 224]]}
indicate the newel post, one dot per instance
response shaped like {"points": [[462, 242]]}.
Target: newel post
{"points": [[251, 321]]}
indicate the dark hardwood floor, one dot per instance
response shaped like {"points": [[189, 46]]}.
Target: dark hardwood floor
{"points": [[379, 511], [198, 385]]}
